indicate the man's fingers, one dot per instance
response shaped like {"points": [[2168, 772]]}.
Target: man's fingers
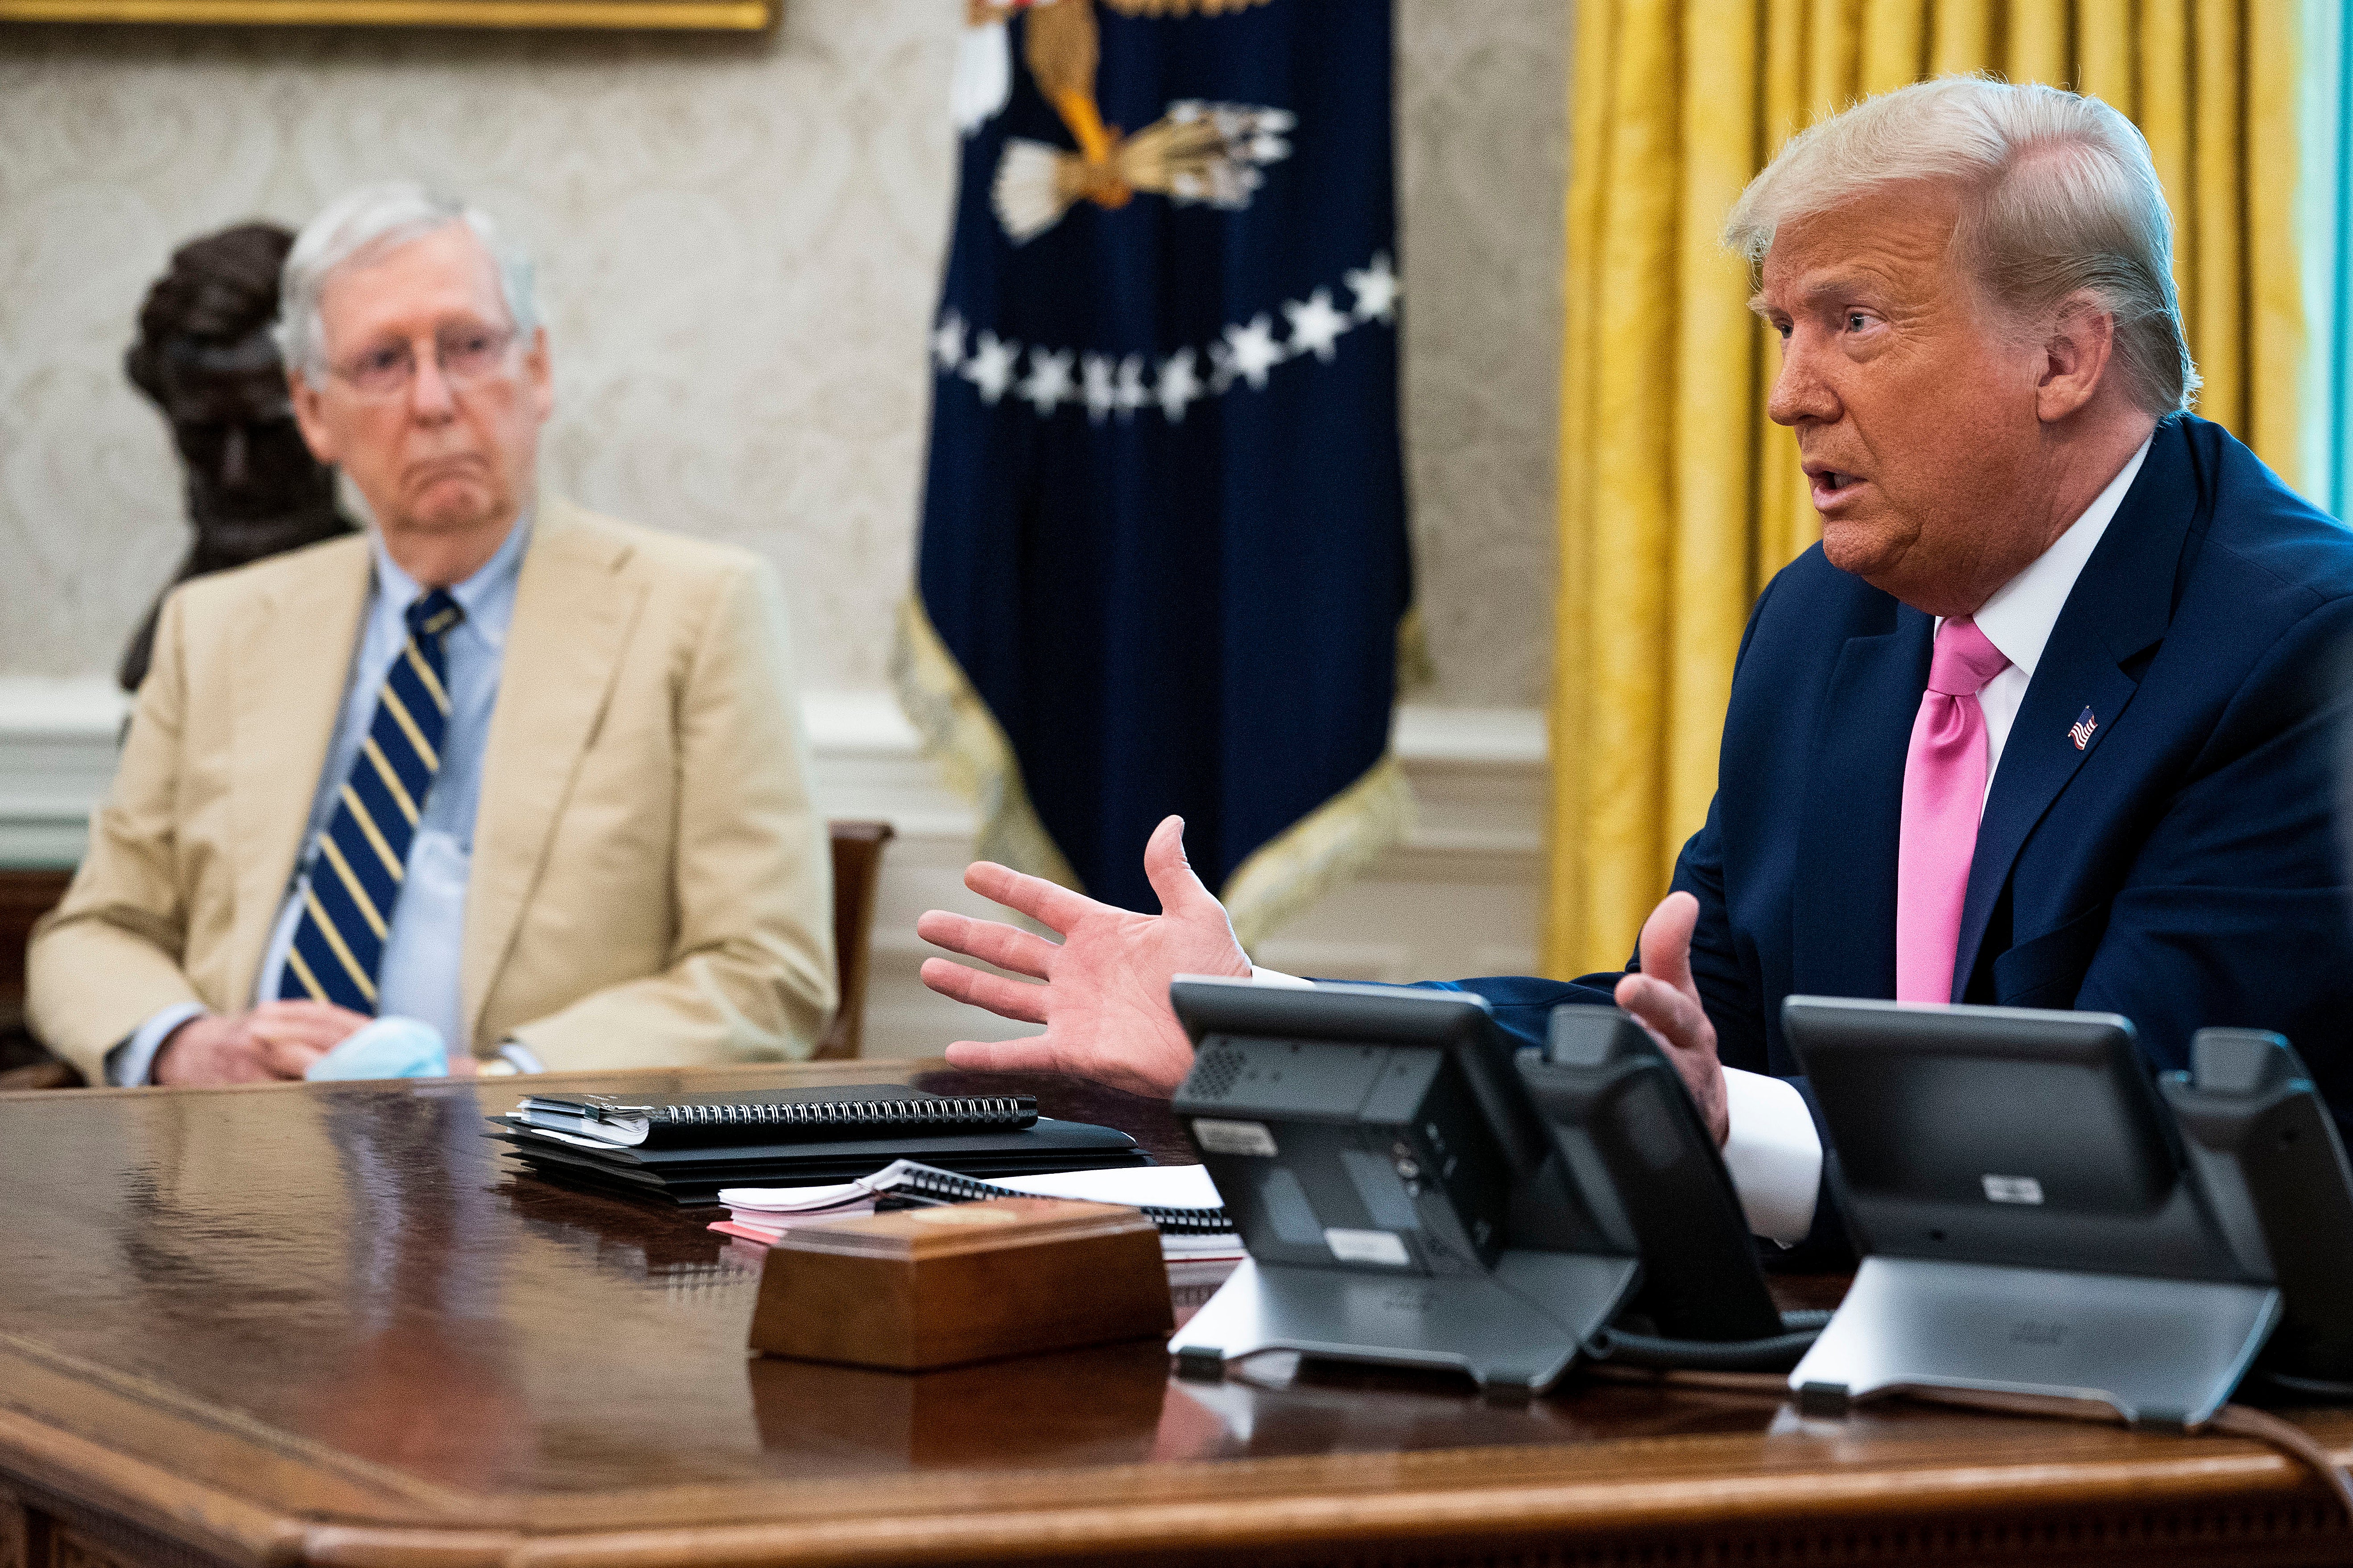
{"points": [[320, 1024], [298, 1007], [1173, 879], [1667, 939], [1670, 1015], [1045, 902], [1677, 1021], [323, 1013], [1006, 998], [282, 1031], [288, 1058], [317, 1034], [1031, 1055], [991, 941]]}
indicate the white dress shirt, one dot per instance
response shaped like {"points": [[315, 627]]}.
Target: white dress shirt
{"points": [[1773, 1152], [2019, 616], [417, 978]]}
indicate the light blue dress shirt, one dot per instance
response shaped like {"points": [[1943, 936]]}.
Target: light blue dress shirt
{"points": [[419, 977]]}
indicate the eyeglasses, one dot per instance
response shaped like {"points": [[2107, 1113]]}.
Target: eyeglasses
{"points": [[463, 354]]}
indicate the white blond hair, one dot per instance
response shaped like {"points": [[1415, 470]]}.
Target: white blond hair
{"points": [[2059, 198], [366, 223]]}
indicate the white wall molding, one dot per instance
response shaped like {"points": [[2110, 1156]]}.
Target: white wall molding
{"points": [[1457, 897], [57, 756]]}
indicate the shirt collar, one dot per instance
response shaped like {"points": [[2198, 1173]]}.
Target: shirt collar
{"points": [[487, 596], [2021, 615]]}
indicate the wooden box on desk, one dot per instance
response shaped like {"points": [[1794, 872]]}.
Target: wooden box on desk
{"points": [[923, 1287]]}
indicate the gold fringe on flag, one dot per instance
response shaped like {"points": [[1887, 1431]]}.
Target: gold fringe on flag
{"points": [[963, 736], [1330, 845]]}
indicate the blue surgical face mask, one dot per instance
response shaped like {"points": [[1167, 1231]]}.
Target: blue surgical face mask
{"points": [[388, 1048]]}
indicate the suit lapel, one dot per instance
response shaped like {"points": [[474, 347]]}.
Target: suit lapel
{"points": [[2120, 604], [1845, 906], [292, 668], [572, 619]]}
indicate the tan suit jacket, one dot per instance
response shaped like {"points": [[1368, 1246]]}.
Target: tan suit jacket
{"points": [[649, 884]]}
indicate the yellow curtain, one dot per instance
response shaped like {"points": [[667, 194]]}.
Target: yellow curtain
{"points": [[1678, 498]]}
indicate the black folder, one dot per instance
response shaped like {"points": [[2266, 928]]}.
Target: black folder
{"points": [[693, 1175], [670, 1121]]}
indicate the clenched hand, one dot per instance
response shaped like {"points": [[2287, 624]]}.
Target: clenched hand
{"points": [[275, 1040]]}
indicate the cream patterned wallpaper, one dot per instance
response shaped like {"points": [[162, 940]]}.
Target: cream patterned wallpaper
{"points": [[739, 244]]}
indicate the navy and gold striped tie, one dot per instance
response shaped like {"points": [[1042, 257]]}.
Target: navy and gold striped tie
{"points": [[363, 854]]}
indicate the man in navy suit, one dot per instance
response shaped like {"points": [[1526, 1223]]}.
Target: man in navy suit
{"points": [[2046, 720]]}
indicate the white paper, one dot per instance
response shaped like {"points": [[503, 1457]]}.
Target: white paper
{"points": [[778, 1210], [769, 1223], [808, 1200], [1169, 1186], [796, 1200], [1165, 1186]]}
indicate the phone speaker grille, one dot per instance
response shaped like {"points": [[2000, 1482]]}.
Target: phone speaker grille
{"points": [[1215, 1075]]}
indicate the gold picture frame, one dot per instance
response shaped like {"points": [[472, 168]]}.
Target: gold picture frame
{"points": [[696, 16]]}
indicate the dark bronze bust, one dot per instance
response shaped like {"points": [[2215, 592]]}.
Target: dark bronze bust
{"points": [[205, 357]]}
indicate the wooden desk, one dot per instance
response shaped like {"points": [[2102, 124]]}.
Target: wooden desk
{"points": [[327, 1325]]}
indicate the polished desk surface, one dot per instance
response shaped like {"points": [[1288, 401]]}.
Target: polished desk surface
{"points": [[329, 1324]]}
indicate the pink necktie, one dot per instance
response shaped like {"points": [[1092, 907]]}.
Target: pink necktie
{"points": [[1943, 790]]}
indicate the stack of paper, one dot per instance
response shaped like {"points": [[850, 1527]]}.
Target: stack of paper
{"points": [[1162, 1186], [764, 1214]]}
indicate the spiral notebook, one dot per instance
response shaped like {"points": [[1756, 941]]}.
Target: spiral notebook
{"points": [[701, 1142], [1180, 1199], [738, 1119]]}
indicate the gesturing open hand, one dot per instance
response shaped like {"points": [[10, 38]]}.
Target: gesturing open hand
{"points": [[1665, 1000], [1105, 1002]]}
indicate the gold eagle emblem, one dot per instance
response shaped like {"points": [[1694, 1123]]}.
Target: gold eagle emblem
{"points": [[1197, 151]]}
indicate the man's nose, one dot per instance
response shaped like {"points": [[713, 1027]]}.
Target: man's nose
{"points": [[1800, 392], [429, 398]]}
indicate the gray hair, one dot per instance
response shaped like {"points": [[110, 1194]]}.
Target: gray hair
{"points": [[2059, 198], [366, 223]]}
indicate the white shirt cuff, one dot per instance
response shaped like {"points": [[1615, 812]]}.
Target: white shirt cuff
{"points": [[1278, 979], [1774, 1155], [519, 1057], [134, 1061]]}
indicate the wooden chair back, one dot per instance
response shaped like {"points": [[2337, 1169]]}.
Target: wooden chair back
{"points": [[857, 872], [25, 895]]}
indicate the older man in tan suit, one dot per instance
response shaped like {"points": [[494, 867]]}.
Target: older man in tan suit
{"points": [[530, 779]]}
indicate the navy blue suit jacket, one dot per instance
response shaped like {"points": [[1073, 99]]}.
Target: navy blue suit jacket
{"points": [[2182, 867]]}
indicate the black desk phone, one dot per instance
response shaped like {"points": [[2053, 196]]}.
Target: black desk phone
{"points": [[2036, 1215], [1548, 1205]]}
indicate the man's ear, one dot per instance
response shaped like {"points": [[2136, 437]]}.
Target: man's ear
{"points": [[2075, 356], [539, 374], [309, 418]]}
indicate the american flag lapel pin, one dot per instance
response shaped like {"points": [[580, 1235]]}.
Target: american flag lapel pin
{"points": [[2080, 732]]}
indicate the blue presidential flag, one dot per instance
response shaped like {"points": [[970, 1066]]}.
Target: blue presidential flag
{"points": [[1163, 565]]}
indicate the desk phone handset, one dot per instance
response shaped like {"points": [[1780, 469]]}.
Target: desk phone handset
{"points": [[1411, 1193], [1642, 1169], [2267, 1152]]}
